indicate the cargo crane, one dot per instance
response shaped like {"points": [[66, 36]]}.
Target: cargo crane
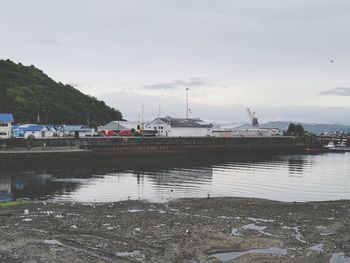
{"points": [[252, 117]]}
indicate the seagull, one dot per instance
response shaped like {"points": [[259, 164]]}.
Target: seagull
{"points": [[331, 60]]}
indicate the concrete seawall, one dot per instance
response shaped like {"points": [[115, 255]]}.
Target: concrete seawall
{"points": [[73, 148]]}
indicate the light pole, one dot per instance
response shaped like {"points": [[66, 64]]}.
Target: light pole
{"points": [[187, 89]]}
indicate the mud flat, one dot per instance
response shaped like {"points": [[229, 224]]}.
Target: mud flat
{"points": [[184, 230]]}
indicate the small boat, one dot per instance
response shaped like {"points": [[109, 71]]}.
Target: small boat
{"points": [[330, 145], [339, 148], [312, 150]]}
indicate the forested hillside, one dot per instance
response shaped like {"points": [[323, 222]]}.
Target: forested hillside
{"points": [[26, 92]]}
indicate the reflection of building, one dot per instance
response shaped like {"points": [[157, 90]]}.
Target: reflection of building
{"points": [[5, 187], [296, 167]]}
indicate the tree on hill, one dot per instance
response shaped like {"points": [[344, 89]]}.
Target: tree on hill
{"points": [[28, 93], [295, 130]]}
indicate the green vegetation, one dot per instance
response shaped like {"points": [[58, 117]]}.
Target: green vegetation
{"points": [[295, 130], [17, 202], [26, 91]]}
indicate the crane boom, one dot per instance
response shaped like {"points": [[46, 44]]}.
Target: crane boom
{"points": [[252, 117], [250, 114]]}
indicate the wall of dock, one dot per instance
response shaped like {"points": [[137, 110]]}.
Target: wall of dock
{"points": [[133, 146]]}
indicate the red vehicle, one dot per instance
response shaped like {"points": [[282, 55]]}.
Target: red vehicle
{"points": [[110, 133], [125, 133], [102, 133]]}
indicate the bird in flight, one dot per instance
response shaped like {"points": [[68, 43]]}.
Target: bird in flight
{"points": [[331, 60]]}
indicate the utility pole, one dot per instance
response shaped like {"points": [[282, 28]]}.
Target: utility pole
{"points": [[38, 116], [142, 113], [187, 89], [88, 119]]}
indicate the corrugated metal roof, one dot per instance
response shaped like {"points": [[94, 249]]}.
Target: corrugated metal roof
{"points": [[35, 128], [72, 128], [6, 117], [120, 125], [183, 122]]}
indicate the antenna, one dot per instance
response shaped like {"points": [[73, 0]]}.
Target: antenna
{"points": [[187, 89], [88, 119], [159, 112]]}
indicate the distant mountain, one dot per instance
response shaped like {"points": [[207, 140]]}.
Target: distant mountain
{"points": [[26, 91], [310, 127]]}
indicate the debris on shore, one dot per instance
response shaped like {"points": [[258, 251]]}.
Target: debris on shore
{"points": [[184, 230]]}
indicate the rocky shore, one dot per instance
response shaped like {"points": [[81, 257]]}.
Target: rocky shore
{"points": [[185, 230]]}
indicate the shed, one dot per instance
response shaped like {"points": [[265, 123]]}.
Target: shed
{"points": [[119, 125]]}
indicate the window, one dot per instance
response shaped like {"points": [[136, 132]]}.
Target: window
{"points": [[3, 133], [3, 124]]}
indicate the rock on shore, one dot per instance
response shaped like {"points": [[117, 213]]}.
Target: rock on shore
{"points": [[184, 230]]}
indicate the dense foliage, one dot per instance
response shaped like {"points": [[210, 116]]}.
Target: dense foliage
{"points": [[26, 92], [295, 130]]}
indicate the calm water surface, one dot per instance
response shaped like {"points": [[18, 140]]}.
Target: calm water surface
{"points": [[285, 178]]}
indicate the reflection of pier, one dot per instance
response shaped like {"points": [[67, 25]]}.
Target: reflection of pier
{"points": [[37, 184], [5, 187], [181, 177], [163, 173]]}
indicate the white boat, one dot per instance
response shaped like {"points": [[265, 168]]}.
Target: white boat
{"points": [[330, 145], [340, 147]]}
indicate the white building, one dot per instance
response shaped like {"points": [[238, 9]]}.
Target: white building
{"points": [[256, 132], [180, 127], [5, 125], [119, 125], [35, 131], [251, 132], [73, 130]]}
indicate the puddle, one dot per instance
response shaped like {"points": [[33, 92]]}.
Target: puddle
{"points": [[339, 258], [136, 255], [235, 232], [53, 242], [255, 227], [297, 234], [135, 210], [317, 248], [327, 234], [232, 255], [261, 220]]}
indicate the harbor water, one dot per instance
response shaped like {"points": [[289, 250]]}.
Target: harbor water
{"points": [[283, 178]]}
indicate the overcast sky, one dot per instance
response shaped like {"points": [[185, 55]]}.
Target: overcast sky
{"points": [[271, 55]]}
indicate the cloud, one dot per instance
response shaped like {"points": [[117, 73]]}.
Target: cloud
{"points": [[47, 41], [338, 91], [191, 82], [130, 105]]}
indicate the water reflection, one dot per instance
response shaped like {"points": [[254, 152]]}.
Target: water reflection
{"points": [[286, 178], [296, 166], [5, 187]]}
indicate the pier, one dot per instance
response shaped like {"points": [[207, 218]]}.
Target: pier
{"points": [[12, 150]]}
